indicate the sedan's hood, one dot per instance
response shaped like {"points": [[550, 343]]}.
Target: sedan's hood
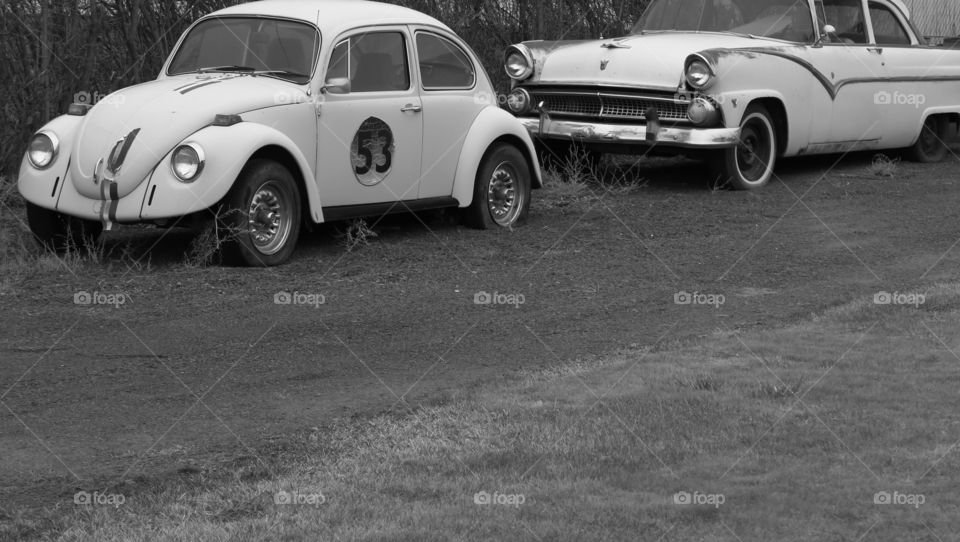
{"points": [[129, 132], [651, 61]]}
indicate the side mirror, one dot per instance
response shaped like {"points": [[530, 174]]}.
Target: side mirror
{"points": [[829, 32], [339, 85]]}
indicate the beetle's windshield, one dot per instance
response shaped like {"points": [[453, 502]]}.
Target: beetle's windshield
{"points": [[271, 47], [789, 20]]}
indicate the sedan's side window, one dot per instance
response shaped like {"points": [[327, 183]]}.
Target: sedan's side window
{"points": [[443, 65], [886, 27], [847, 17], [373, 62]]}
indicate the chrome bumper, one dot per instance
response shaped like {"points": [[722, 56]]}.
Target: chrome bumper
{"points": [[592, 132]]}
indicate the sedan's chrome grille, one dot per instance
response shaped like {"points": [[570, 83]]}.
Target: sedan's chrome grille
{"points": [[610, 106]]}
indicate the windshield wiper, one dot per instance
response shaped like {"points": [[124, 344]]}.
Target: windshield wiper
{"points": [[282, 73], [244, 69]]}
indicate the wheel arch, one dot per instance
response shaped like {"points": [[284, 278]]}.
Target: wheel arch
{"points": [[279, 154], [781, 122], [491, 127]]}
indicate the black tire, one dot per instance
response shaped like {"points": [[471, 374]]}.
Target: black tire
{"points": [[750, 164], [932, 145], [501, 194], [60, 233], [259, 219]]}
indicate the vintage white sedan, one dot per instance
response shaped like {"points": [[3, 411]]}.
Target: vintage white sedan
{"points": [[274, 114], [743, 82]]}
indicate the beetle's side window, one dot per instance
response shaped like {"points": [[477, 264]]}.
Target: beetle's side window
{"points": [[886, 27], [373, 62], [443, 65], [847, 17]]}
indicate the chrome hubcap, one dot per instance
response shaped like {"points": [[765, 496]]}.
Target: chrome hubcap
{"points": [[504, 196], [269, 218]]}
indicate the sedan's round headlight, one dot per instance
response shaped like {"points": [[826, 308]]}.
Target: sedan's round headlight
{"points": [[518, 102], [187, 162], [43, 150], [518, 62], [699, 75]]}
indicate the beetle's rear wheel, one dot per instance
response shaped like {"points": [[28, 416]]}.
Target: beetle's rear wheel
{"points": [[501, 195], [932, 146], [750, 164], [259, 219]]}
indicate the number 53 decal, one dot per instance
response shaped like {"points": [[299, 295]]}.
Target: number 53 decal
{"points": [[372, 152]]}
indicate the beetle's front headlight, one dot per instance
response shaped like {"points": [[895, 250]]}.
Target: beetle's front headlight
{"points": [[518, 62], [699, 75], [187, 162], [43, 149]]}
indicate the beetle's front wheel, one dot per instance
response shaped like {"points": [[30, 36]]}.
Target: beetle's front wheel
{"points": [[750, 164], [58, 232], [932, 143], [501, 195], [259, 220]]}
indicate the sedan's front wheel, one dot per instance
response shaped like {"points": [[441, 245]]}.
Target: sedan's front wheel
{"points": [[501, 195], [259, 220], [750, 164]]}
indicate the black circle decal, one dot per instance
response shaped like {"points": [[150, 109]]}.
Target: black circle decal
{"points": [[372, 152]]}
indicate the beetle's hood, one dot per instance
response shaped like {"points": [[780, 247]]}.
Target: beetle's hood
{"points": [[129, 132], [650, 61]]}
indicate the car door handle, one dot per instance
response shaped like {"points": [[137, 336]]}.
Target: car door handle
{"points": [[411, 108], [875, 50]]}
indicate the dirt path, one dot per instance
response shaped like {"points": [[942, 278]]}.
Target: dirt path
{"points": [[202, 365]]}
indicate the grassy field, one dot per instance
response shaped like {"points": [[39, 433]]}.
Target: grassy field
{"points": [[842, 427]]}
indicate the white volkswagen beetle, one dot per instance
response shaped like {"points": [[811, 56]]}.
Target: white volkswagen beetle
{"points": [[274, 113], [743, 82]]}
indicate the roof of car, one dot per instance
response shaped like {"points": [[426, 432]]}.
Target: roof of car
{"points": [[334, 16]]}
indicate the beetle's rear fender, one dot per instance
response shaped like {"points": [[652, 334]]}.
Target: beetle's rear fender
{"points": [[43, 187], [227, 150], [491, 125]]}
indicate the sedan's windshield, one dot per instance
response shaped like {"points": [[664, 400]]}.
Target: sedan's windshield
{"points": [[270, 47], [781, 19]]}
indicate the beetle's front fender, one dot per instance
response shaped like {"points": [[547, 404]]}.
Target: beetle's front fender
{"points": [[227, 150], [490, 125], [43, 187]]}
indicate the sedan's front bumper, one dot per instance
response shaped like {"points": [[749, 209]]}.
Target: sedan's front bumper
{"points": [[593, 132]]}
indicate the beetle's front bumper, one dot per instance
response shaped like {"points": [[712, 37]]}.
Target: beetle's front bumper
{"points": [[593, 132]]}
